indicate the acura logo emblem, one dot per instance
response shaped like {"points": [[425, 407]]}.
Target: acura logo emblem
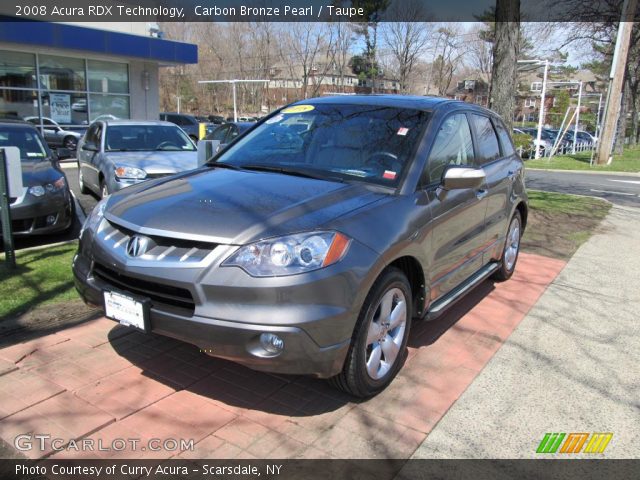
{"points": [[137, 246]]}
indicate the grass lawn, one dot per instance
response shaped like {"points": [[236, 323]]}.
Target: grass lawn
{"points": [[42, 277], [558, 224], [629, 161]]}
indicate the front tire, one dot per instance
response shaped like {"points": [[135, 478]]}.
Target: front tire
{"points": [[70, 142], [379, 343], [83, 187], [104, 190], [511, 249]]}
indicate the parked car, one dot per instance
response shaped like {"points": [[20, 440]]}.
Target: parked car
{"points": [[55, 135], [189, 123], [227, 132], [584, 138], [312, 254], [216, 119], [45, 205], [546, 139], [119, 153]]}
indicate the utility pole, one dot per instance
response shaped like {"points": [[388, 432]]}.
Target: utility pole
{"points": [[616, 79]]}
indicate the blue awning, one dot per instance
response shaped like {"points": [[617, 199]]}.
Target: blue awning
{"points": [[72, 37]]}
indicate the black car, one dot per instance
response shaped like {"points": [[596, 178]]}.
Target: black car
{"points": [[310, 244], [45, 205], [216, 119], [229, 131], [189, 123]]}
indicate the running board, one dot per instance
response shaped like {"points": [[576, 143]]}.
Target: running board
{"points": [[440, 305]]}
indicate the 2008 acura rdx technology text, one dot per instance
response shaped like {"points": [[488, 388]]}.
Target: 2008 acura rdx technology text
{"points": [[310, 243]]}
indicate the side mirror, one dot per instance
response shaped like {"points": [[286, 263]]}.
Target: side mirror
{"points": [[63, 152], [92, 147], [458, 178]]}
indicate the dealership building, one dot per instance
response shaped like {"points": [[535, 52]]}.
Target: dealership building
{"points": [[75, 73]]}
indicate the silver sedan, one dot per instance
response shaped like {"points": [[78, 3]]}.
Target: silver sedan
{"points": [[115, 154]]}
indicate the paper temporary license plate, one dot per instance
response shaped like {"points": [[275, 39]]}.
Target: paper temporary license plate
{"points": [[126, 310]]}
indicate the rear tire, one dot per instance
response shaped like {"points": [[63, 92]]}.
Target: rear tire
{"points": [[511, 249], [379, 342]]}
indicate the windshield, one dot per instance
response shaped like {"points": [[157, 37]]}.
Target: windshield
{"points": [[27, 140], [126, 138], [366, 143]]}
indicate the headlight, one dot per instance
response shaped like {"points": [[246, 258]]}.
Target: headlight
{"points": [[291, 254], [55, 186], [130, 173], [37, 191], [94, 218]]}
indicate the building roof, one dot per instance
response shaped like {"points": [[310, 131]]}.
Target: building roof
{"points": [[72, 37]]}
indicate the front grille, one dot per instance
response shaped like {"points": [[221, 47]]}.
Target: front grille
{"points": [[181, 252], [20, 226], [163, 297]]}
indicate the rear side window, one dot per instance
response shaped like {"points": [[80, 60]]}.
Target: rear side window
{"points": [[453, 146], [488, 146], [505, 139], [219, 134]]}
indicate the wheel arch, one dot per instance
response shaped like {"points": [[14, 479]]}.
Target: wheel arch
{"points": [[412, 269]]}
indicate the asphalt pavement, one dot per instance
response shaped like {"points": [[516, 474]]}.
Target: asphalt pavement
{"points": [[618, 189], [572, 365]]}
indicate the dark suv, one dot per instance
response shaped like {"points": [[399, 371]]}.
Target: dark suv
{"points": [[311, 250]]}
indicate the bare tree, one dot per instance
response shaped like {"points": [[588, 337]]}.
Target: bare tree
{"points": [[448, 57], [300, 51], [339, 49], [480, 53], [406, 39]]}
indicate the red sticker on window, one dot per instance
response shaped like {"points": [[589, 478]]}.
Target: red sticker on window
{"points": [[389, 175], [403, 131]]}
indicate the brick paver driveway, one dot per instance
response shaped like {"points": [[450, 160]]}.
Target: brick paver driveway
{"points": [[102, 381]]}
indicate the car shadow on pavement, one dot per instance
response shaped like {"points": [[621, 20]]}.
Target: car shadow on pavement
{"points": [[182, 366]]}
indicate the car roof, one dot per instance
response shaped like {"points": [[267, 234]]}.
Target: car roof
{"points": [[386, 100], [136, 122], [175, 113], [16, 122]]}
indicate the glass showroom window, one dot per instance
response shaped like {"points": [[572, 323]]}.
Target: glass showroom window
{"points": [[108, 82], [18, 96], [69, 91]]}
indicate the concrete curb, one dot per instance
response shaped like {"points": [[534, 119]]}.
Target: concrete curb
{"points": [[589, 172], [41, 247], [575, 195]]}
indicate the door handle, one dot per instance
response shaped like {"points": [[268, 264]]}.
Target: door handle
{"points": [[512, 174], [480, 194]]}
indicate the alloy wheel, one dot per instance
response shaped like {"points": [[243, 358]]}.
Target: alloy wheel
{"points": [[386, 333], [513, 244]]}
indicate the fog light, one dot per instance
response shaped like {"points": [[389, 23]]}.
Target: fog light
{"points": [[51, 219], [271, 343]]}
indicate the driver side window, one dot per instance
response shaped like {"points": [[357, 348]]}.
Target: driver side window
{"points": [[453, 146]]}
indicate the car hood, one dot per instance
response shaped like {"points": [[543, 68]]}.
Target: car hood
{"points": [[234, 207], [155, 162], [38, 172]]}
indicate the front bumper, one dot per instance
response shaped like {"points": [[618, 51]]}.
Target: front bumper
{"points": [[31, 215], [314, 314]]}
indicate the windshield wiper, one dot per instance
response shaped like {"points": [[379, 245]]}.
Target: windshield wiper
{"points": [[292, 171], [223, 165]]}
